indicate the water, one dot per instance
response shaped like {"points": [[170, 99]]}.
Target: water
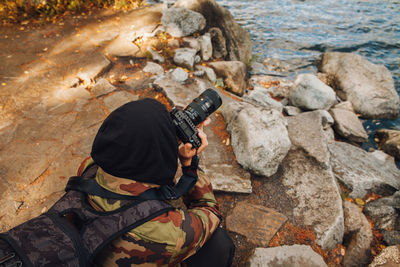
{"points": [[298, 32]]}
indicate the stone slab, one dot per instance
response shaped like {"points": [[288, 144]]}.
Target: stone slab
{"points": [[259, 224]]}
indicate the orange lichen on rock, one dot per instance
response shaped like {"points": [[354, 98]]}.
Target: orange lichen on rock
{"points": [[269, 84]]}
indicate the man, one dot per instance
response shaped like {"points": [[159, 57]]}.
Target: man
{"points": [[135, 150]]}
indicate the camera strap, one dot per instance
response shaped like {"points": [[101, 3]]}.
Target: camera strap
{"points": [[164, 192]]}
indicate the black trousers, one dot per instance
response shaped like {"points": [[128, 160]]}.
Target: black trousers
{"points": [[218, 251]]}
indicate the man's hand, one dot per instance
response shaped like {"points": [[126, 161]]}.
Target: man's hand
{"points": [[186, 152]]}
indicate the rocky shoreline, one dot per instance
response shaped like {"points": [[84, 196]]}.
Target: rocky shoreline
{"points": [[282, 152]]}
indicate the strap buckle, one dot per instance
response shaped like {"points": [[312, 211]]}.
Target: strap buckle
{"points": [[168, 192]]}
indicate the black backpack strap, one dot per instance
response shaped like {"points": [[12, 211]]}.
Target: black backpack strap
{"points": [[165, 192]]}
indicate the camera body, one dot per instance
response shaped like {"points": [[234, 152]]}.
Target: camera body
{"points": [[186, 120]]}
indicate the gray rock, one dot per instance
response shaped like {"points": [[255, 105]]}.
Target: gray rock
{"points": [[385, 216], [238, 41], [206, 48], [348, 125], [72, 94], [258, 69], [382, 156], [197, 59], [91, 70], [389, 141], [369, 87], [218, 43], [259, 137], [184, 57], [310, 93], [153, 68], [209, 72], [306, 132], [346, 105], [296, 255], [358, 234], [233, 73], [261, 97], [117, 99], [192, 42], [291, 110], [199, 73], [122, 46], [102, 87], [179, 75], [327, 120], [155, 55], [316, 195], [180, 22], [361, 172], [389, 257]]}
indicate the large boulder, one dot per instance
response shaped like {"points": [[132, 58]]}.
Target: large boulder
{"points": [[234, 74], [369, 87], [180, 22], [316, 195], [260, 96], [384, 212], [259, 136], [358, 234], [306, 132], [296, 255], [389, 141], [238, 42], [310, 93], [348, 125], [361, 172]]}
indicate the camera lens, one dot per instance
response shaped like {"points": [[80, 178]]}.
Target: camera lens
{"points": [[202, 106]]}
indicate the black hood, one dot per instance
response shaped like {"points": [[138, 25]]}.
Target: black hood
{"points": [[138, 141]]}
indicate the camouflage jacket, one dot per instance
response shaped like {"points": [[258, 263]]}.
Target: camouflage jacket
{"points": [[166, 240]]}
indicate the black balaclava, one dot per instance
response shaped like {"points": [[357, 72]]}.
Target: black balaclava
{"points": [[138, 141]]}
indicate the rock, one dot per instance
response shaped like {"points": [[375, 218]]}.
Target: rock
{"points": [[358, 234], [382, 156], [348, 125], [153, 68], [310, 93], [385, 216], [346, 105], [184, 57], [122, 46], [155, 55], [206, 48], [279, 87], [218, 43], [117, 99], [296, 255], [361, 172], [72, 94], [306, 132], [327, 120], [197, 59], [233, 73], [389, 257], [102, 87], [238, 42], [180, 22], [179, 75], [257, 223], [316, 195], [391, 237], [92, 69], [258, 69], [192, 42], [291, 111], [261, 97], [259, 137], [389, 141], [369, 87], [209, 72]]}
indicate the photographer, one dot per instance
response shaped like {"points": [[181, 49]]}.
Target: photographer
{"points": [[136, 150]]}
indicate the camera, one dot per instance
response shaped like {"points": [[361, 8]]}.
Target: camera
{"points": [[196, 112]]}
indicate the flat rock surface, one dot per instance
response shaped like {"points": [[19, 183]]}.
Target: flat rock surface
{"points": [[257, 223]]}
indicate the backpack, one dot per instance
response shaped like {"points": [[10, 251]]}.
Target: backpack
{"points": [[72, 232]]}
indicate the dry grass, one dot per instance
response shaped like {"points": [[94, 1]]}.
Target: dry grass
{"points": [[16, 11]]}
